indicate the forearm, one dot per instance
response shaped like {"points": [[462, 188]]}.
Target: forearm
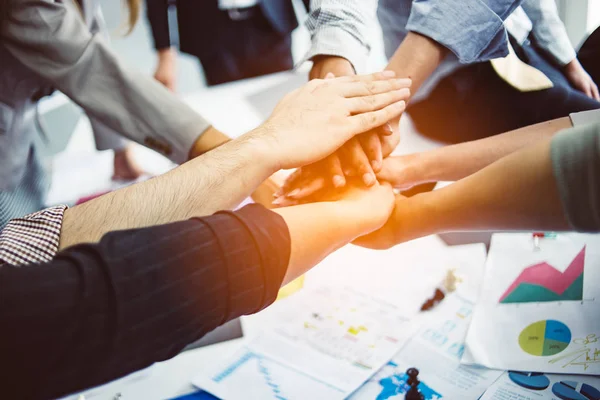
{"points": [[135, 298], [517, 192], [452, 163], [316, 230], [217, 180], [416, 58]]}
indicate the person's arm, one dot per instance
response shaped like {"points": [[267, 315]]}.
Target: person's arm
{"points": [[451, 163], [51, 39], [549, 31], [100, 311], [157, 12], [158, 17], [339, 31], [552, 185], [223, 177], [416, 58], [551, 35]]}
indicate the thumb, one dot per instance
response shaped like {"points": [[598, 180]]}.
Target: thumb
{"points": [[393, 170]]}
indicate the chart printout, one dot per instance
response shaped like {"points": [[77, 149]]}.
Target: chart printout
{"points": [[329, 342], [436, 351], [540, 305]]}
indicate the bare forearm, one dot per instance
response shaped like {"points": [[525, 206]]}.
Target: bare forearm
{"points": [[218, 180], [315, 231], [516, 192], [416, 58], [452, 163]]}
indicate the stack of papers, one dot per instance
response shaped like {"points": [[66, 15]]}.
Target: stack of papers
{"points": [[354, 330], [329, 343]]}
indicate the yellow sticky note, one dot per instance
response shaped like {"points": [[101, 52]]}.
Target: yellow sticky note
{"points": [[291, 288]]}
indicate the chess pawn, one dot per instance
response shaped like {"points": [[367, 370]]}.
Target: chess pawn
{"points": [[413, 392]]}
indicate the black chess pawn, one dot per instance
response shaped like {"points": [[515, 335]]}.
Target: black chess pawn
{"points": [[413, 392]]}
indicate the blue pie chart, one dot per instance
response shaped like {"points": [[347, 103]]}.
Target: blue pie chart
{"points": [[529, 380], [570, 390]]}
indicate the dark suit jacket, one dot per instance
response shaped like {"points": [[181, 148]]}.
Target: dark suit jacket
{"points": [[203, 27]]}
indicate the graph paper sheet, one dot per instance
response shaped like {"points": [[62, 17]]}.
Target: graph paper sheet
{"points": [[539, 308]]}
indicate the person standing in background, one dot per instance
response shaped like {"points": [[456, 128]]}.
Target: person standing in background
{"points": [[24, 181], [232, 39]]}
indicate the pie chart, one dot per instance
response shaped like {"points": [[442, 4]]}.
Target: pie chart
{"points": [[570, 390], [529, 380], [545, 338]]}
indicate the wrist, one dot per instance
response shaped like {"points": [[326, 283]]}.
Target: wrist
{"points": [[261, 142], [572, 67], [414, 217], [422, 167], [166, 55]]}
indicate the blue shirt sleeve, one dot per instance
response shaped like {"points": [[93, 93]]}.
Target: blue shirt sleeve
{"points": [[471, 29]]}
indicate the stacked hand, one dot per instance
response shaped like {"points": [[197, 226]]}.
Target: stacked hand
{"points": [[362, 209], [361, 156], [314, 121]]}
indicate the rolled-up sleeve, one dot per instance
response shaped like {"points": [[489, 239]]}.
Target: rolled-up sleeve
{"points": [[33, 238], [341, 28], [473, 30], [100, 311], [50, 38], [575, 157]]}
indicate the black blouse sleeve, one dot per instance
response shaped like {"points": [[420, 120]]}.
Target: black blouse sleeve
{"points": [[100, 311], [158, 17]]}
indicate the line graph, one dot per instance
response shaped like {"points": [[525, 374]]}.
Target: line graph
{"points": [[542, 283]]}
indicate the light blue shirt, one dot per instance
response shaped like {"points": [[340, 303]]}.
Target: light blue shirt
{"points": [[473, 30]]}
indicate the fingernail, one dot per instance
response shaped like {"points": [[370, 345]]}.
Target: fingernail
{"points": [[329, 75], [278, 201], [376, 165], [387, 129], [389, 74], [368, 179], [293, 193], [338, 181], [348, 172]]}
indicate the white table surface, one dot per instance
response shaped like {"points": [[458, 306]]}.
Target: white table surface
{"points": [[233, 108]]}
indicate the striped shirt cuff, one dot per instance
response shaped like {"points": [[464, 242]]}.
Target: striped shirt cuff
{"points": [[33, 238]]}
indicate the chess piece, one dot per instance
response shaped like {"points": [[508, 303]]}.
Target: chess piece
{"points": [[413, 392]]}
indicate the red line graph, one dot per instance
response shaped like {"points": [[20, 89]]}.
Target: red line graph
{"points": [[545, 275]]}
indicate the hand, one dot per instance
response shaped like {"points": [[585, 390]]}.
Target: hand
{"points": [[310, 179], [342, 107], [324, 65], [166, 68], [366, 209], [360, 156], [403, 172], [125, 166], [388, 235], [581, 80]]}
